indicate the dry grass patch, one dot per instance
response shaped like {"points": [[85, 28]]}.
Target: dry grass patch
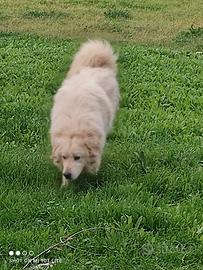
{"points": [[151, 22]]}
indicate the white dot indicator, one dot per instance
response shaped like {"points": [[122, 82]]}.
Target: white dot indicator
{"points": [[24, 253], [31, 253], [11, 253], [17, 253]]}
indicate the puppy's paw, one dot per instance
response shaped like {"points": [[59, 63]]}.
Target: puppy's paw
{"points": [[93, 167], [65, 182]]}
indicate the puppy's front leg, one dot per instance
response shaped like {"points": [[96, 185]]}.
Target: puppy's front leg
{"points": [[65, 182]]}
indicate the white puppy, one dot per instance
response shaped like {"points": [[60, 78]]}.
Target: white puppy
{"points": [[84, 109]]}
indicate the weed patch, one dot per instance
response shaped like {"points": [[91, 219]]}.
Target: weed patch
{"points": [[190, 35], [116, 14], [44, 14]]}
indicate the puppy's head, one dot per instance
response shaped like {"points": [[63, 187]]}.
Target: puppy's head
{"points": [[74, 153]]}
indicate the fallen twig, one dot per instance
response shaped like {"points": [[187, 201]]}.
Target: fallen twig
{"points": [[64, 242], [48, 250]]}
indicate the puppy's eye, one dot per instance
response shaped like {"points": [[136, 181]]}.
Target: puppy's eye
{"points": [[76, 157], [64, 157]]}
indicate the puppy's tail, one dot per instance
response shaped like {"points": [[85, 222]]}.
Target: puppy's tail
{"points": [[94, 53]]}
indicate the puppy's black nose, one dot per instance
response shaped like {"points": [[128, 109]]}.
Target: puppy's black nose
{"points": [[68, 175]]}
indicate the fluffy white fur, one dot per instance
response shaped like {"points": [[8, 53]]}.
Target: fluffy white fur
{"points": [[83, 110]]}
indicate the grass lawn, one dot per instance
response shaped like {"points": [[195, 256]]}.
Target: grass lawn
{"points": [[151, 220], [172, 23], [144, 210]]}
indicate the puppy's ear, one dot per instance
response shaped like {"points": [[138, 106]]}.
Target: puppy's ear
{"points": [[55, 156], [93, 144]]}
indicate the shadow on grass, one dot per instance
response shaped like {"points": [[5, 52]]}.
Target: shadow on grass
{"points": [[111, 172], [85, 183]]}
